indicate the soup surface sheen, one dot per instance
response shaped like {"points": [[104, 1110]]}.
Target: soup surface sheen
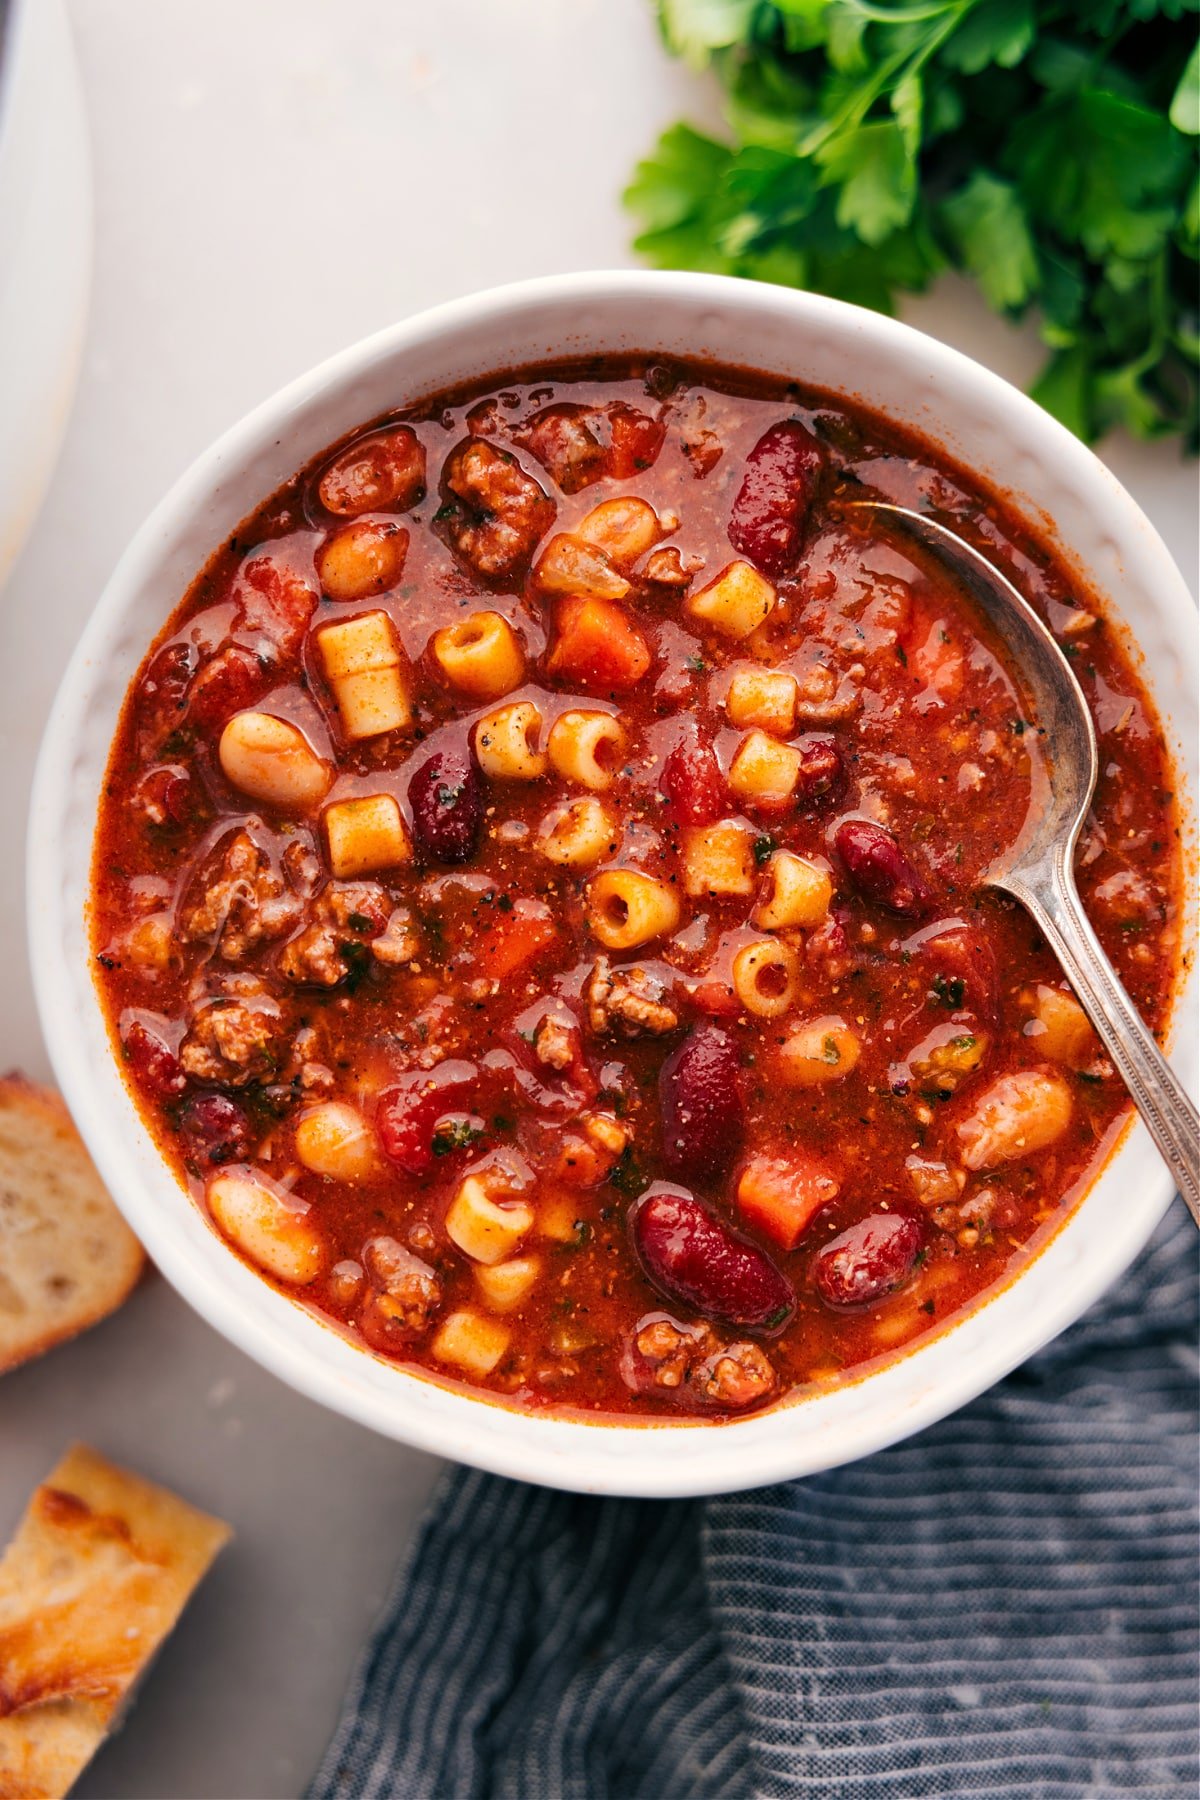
{"points": [[537, 893]]}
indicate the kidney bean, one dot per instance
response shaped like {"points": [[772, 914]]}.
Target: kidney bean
{"points": [[217, 1129], [692, 782], [446, 796], [692, 1257], [771, 508], [703, 1111], [868, 1259], [150, 1056], [409, 1112], [879, 868], [821, 770]]}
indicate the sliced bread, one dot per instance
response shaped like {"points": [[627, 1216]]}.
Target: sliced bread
{"points": [[67, 1258], [100, 1569]]}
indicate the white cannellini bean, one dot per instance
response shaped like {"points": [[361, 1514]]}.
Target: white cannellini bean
{"points": [[268, 1225], [1018, 1114], [333, 1139], [272, 760]]}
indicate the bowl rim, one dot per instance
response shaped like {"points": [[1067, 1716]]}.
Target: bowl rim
{"points": [[593, 1456]]}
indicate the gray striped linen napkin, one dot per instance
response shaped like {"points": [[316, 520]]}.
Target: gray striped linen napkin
{"points": [[1004, 1605]]}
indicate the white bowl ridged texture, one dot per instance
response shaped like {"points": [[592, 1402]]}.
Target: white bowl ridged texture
{"points": [[980, 421]]}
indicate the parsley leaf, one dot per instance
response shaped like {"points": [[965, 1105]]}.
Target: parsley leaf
{"points": [[877, 176], [997, 31], [357, 959], [626, 1175], [694, 27], [1185, 105], [1046, 151], [949, 989], [456, 1134], [986, 224]]}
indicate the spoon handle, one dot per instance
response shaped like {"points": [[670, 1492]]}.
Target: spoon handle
{"points": [[1049, 893]]}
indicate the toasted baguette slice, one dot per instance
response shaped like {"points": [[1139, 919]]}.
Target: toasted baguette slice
{"points": [[100, 1569], [67, 1258]]}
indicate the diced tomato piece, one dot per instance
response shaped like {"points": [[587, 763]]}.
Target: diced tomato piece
{"points": [[515, 937], [405, 1125], [229, 682], [961, 968], [405, 1122], [598, 646], [164, 684], [781, 1195], [408, 1113], [692, 782], [276, 601], [636, 441]]}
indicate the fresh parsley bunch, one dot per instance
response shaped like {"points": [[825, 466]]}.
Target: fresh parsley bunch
{"points": [[1047, 148]]}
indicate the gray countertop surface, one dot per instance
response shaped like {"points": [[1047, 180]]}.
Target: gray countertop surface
{"points": [[272, 182]]}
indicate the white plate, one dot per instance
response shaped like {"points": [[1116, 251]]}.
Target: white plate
{"points": [[982, 422], [45, 255]]}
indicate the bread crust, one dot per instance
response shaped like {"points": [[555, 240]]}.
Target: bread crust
{"points": [[67, 1257], [101, 1566]]}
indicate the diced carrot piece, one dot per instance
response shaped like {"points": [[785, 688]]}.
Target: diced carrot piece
{"points": [[515, 937], [781, 1195], [598, 645]]}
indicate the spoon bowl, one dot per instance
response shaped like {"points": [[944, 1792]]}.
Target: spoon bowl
{"points": [[1038, 868]]}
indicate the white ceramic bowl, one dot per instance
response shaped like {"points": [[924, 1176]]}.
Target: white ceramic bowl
{"points": [[981, 421]]}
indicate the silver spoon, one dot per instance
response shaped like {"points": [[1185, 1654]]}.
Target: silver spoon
{"points": [[1038, 869]]}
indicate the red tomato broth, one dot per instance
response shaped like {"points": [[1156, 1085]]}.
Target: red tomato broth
{"points": [[898, 673]]}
